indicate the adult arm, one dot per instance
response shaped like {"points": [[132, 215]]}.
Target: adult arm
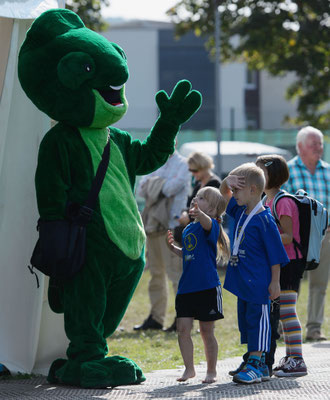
{"points": [[178, 181], [141, 189]]}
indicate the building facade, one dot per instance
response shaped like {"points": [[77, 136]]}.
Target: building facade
{"points": [[157, 60]]}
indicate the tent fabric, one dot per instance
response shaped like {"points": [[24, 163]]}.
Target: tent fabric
{"points": [[31, 336], [27, 9], [6, 25]]}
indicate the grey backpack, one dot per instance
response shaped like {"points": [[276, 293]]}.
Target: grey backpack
{"points": [[313, 223]]}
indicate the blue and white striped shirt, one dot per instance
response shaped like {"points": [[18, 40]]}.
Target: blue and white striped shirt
{"points": [[316, 185]]}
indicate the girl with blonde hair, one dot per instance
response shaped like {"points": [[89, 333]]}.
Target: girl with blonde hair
{"points": [[199, 294]]}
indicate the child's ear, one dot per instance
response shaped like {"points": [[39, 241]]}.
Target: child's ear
{"points": [[253, 189]]}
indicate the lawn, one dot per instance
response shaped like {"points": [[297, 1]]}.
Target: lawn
{"points": [[154, 350]]}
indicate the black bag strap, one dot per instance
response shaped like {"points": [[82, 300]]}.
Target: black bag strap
{"points": [[86, 211], [99, 177]]}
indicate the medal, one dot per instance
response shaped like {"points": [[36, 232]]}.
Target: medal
{"points": [[233, 260]]}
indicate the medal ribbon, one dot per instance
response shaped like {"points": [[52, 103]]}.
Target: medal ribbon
{"points": [[237, 240]]}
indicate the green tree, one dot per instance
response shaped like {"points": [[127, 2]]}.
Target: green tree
{"points": [[278, 36], [90, 12]]}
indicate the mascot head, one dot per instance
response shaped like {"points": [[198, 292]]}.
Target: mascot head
{"points": [[71, 73]]}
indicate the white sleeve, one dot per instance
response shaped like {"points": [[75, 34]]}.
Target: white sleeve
{"points": [[177, 181], [141, 188]]}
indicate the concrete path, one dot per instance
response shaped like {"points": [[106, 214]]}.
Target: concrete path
{"points": [[163, 385]]}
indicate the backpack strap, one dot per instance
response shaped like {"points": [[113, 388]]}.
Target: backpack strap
{"points": [[277, 197], [280, 195]]}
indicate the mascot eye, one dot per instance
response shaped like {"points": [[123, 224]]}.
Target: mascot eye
{"points": [[75, 68]]}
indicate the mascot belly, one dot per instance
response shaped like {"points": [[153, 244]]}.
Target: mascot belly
{"points": [[77, 77]]}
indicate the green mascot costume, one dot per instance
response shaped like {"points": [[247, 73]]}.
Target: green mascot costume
{"points": [[77, 77]]}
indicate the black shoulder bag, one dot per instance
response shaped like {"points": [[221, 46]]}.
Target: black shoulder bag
{"points": [[60, 249]]}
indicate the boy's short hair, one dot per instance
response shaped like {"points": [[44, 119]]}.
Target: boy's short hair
{"points": [[277, 169], [253, 175]]}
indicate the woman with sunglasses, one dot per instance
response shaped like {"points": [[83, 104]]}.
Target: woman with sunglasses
{"points": [[201, 167]]}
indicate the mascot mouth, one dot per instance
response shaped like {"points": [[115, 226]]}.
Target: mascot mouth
{"points": [[112, 95]]}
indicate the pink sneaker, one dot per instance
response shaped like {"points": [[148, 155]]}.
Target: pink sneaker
{"points": [[292, 367]]}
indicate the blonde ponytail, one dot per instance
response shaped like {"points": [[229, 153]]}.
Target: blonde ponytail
{"points": [[217, 207], [223, 246]]}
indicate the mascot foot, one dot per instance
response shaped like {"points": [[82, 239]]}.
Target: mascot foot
{"points": [[110, 371], [56, 365]]}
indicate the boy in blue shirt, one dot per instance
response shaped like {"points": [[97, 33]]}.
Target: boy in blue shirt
{"points": [[254, 268]]}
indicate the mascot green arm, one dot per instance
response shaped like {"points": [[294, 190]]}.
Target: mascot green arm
{"points": [[77, 77]]}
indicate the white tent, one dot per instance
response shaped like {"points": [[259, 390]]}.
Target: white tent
{"points": [[31, 336]]}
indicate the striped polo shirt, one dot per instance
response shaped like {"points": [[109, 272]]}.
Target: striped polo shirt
{"points": [[316, 185]]}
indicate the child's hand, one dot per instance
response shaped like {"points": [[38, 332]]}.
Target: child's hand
{"points": [[274, 290], [194, 211], [235, 182], [170, 239], [184, 218], [171, 244]]}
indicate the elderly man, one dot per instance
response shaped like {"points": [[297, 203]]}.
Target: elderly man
{"points": [[309, 172]]}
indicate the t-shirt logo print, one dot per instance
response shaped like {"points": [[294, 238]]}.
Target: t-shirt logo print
{"points": [[190, 242]]}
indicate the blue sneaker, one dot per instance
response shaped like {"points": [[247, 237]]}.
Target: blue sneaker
{"points": [[248, 375], [237, 370], [264, 372]]}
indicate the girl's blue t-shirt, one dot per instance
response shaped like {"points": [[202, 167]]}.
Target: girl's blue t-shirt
{"points": [[260, 248], [199, 254]]}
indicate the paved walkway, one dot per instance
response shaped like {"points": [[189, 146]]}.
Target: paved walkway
{"points": [[163, 385]]}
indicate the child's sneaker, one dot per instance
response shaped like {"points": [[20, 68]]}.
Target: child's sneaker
{"points": [[281, 364], [293, 367], [264, 372], [249, 374], [237, 370]]}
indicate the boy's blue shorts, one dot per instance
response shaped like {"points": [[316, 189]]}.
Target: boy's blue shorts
{"points": [[254, 325]]}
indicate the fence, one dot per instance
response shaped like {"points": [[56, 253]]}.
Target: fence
{"points": [[279, 138]]}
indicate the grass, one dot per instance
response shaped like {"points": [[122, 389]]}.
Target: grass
{"points": [[154, 350]]}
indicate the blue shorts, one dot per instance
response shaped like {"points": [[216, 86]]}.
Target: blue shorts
{"points": [[254, 325]]}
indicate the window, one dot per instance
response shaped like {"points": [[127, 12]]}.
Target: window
{"points": [[251, 79]]}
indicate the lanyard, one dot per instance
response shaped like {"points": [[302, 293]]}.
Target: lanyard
{"points": [[237, 240]]}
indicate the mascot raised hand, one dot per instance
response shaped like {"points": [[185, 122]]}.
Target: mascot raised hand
{"points": [[77, 77]]}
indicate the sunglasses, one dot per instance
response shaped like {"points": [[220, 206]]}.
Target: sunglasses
{"points": [[193, 170]]}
